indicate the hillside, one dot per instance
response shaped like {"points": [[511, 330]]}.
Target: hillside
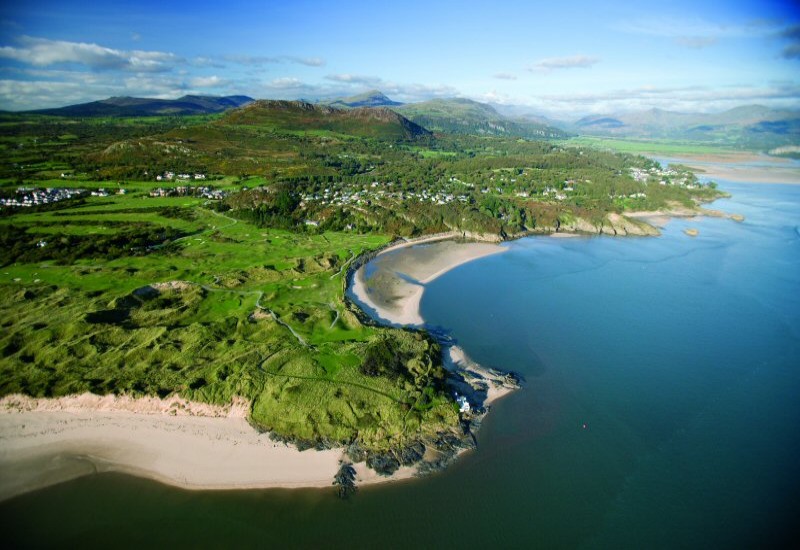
{"points": [[375, 122], [464, 116], [750, 126], [139, 106], [372, 98]]}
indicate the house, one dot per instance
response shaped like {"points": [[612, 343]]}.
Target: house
{"points": [[463, 404]]}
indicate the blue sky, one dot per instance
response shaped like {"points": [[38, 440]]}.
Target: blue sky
{"points": [[564, 58]]}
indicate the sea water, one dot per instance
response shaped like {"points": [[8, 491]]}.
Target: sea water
{"points": [[660, 408]]}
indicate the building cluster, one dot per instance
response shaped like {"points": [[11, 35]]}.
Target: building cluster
{"points": [[203, 191], [169, 176], [664, 176], [30, 196], [364, 196]]}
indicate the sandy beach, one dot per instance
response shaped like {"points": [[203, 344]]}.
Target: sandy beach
{"points": [[395, 289], [200, 446], [177, 442], [742, 167]]}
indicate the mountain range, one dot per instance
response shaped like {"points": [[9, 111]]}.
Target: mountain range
{"points": [[465, 116], [748, 126], [140, 106], [752, 127], [378, 122], [453, 116]]}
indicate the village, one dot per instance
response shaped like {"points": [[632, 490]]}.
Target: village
{"points": [[203, 191], [361, 195], [664, 176], [31, 196]]}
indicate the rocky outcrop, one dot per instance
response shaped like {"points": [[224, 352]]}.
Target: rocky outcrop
{"points": [[621, 225], [612, 224]]}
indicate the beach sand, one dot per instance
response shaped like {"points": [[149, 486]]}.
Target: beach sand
{"points": [[742, 167], [191, 445], [394, 290], [196, 445]]}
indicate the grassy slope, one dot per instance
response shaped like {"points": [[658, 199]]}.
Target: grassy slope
{"points": [[377, 123], [204, 341], [649, 146]]}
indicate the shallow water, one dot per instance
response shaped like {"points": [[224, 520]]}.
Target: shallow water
{"points": [[680, 356]]}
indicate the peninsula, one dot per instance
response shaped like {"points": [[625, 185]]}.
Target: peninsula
{"points": [[202, 261]]}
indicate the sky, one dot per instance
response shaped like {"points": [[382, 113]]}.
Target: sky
{"points": [[563, 58]]}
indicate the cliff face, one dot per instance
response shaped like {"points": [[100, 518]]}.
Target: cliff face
{"points": [[613, 224]]}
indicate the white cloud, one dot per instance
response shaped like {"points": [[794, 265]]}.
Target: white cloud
{"points": [[696, 42], [41, 52], [347, 78], [286, 83], [308, 61], [207, 81], [696, 32], [410, 93], [19, 95], [202, 61], [504, 76], [685, 99], [570, 62], [676, 27], [259, 60]]}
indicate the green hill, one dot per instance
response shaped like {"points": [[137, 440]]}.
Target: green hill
{"points": [[375, 122], [140, 106], [465, 116]]}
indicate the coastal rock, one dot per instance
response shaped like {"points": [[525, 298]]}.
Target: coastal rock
{"points": [[483, 237], [384, 464], [623, 225], [345, 480], [578, 225], [412, 454]]}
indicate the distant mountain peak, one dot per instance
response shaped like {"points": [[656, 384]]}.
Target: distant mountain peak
{"points": [[119, 106], [460, 115], [371, 98], [754, 127]]}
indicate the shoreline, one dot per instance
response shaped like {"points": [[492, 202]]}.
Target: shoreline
{"points": [[741, 167], [402, 307], [194, 446], [177, 442], [181, 443]]}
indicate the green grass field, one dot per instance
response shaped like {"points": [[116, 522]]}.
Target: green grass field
{"points": [[229, 309], [642, 146]]}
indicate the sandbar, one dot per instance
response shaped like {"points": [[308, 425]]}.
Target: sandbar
{"points": [[742, 167], [395, 287]]}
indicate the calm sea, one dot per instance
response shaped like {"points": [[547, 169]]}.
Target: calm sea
{"points": [[661, 408]]}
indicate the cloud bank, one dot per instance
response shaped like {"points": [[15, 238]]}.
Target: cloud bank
{"points": [[571, 62]]}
